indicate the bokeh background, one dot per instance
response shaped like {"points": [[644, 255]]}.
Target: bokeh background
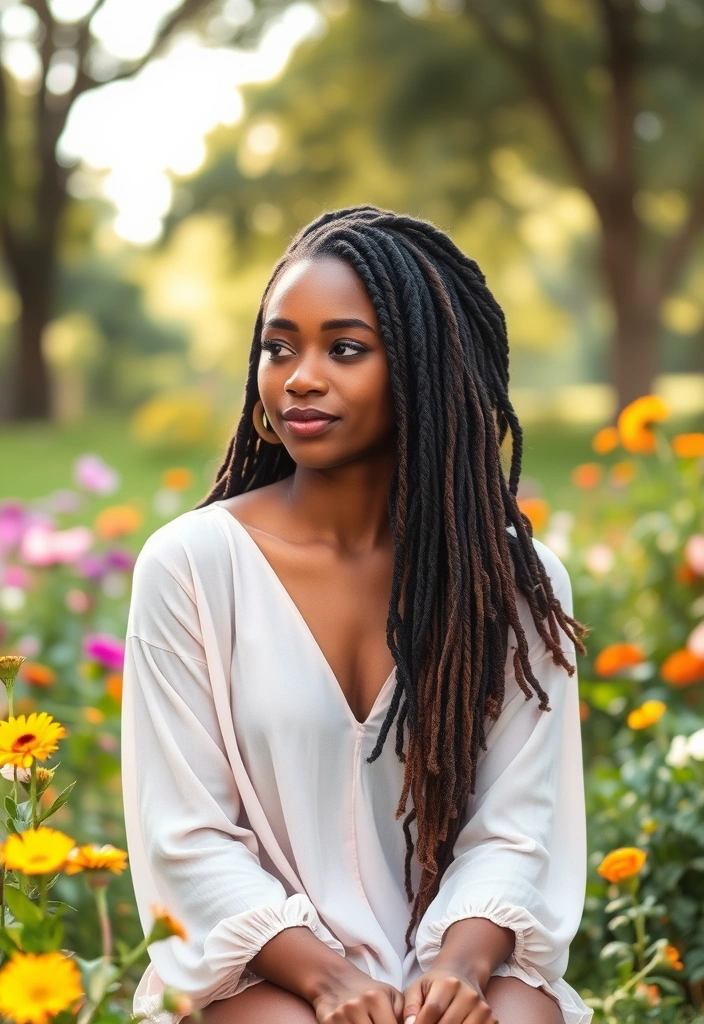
{"points": [[155, 159]]}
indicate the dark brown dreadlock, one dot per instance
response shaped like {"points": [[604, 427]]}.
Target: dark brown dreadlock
{"points": [[456, 565]]}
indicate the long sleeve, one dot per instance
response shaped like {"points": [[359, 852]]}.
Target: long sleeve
{"points": [[187, 849], [520, 859]]}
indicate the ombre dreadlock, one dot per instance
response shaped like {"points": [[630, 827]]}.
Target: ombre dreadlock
{"points": [[456, 565]]}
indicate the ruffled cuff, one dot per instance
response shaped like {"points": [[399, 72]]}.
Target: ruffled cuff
{"points": [[507, 915], [226, 952]]}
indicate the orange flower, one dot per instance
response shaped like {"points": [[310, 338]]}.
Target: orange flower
{"points": [[682, 668], [584, 711], [622, 473], [605, 440], [635, 420], [625, 862], [673, 955], [36, 674], [614, 658], [647, 714], [536, 509], [117, 520], [93, 715], [685, 574], [587, 475], [92, 857], [688, 446], [177, 479], [651, 993], [165, 924], [113, 686]]}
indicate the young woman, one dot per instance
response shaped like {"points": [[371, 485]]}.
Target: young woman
{"points": [[360, 563]]}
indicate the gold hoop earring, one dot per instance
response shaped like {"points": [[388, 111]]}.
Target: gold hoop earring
{"points": [[262, 425]]}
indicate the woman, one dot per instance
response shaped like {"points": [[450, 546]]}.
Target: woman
{"points": [[360, 530]]}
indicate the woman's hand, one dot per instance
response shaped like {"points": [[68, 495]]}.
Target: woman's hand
{"points": [[358, 999], [443, 996]]}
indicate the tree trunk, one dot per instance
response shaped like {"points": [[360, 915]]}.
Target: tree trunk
{"points": [[30, 396]]}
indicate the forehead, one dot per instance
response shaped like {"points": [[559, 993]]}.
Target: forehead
{"points": [[324, 283]]}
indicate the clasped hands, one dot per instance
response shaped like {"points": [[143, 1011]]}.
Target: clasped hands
{"points": [[440, 996]]}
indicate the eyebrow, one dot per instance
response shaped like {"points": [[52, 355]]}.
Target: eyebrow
{"points": [[327, 325]]}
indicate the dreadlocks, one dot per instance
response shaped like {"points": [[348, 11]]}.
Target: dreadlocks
{"points": [[456, 565]]}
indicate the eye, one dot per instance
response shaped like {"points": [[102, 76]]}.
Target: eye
{"points": [[269, 346], [354, 346]]}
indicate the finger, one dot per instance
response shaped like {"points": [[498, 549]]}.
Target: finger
{"points": [[435, 1002], [381, 1009], [412, 1002]]}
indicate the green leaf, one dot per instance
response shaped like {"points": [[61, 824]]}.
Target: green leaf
{"points": [[617, 904], [44, 937], [617, 922], [6, 944], [59, 802], [10, 825], [10, 806], [616, 949], [21, 906]]}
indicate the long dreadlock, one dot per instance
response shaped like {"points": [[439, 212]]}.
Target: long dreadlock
{"points": [[456, 565]]}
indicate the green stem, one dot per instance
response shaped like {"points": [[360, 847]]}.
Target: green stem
{"points": [[88, 1012], [640, 935], [101, 901], [33, 793]]}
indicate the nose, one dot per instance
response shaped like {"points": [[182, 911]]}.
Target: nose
{"points": [[308, 375]]}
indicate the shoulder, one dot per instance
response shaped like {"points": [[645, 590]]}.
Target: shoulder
{"points": [[562, 588], [179, 561]]}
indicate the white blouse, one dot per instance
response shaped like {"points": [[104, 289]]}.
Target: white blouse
{"points": [[250, 807]]}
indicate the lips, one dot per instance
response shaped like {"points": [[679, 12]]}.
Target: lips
{"points": [[305, 415]]}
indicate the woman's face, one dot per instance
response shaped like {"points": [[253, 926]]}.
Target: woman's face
{"points": [[321, 349]]}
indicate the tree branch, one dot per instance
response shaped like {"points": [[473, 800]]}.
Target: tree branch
{"points": [[622, 59], [533, 66], [179, 17]]}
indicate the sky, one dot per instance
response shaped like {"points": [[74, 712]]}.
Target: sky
{"points": [[134, 138]]}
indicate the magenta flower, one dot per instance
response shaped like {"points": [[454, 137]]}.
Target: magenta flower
{"points": [[118, 558], [90, 567], [14, 519], [93, 474], [106, 650]]}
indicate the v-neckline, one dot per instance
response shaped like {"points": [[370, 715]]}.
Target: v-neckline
{"points": [[306, 628]]}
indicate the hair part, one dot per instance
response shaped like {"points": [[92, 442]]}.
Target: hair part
{"points": [[457, 568]]}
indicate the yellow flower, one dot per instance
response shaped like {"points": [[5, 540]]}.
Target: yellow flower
{"points": [[10, 666], [625, 862], [117, 520], [96, 858], [688, 446], [36, 851], [605, 440], [35, 987], [635, 420], [647, 714], [165, 924], [673, 955], [23, 740]]}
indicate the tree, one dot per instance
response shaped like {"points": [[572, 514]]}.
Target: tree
{"points": [[641, 59], [33, 193]]}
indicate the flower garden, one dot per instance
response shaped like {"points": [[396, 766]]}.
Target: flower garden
{"points": [[71, 945]]}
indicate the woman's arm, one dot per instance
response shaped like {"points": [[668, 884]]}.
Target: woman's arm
{"points": [[520, 859], [182, 807]]}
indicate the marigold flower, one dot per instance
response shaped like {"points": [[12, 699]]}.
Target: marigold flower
{"points": [[36, 674], [113, 686], [36, 987], [685, 574], [174, 1001], [605, 440], [536, 509], [36, 851], [651, 993], [165, 924], [625, 862], [688, 446], [117, 520], [647, 714], [92, 857], [621, 473], [613, 659], [682, 668], [635, 420], [93, 715], [26, 739], [673, 955], [177, 479], [587, 475], [9, 667]]}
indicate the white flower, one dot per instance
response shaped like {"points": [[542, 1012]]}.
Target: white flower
{"points": [[678, 754], [8, 772], [695, 745]]}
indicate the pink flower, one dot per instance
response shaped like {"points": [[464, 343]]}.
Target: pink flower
{"points": [[14, 519], [17, 576], [77, 601], [106, 650], [694, 553], [93, 474], [695, 641], [42, 545]]}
